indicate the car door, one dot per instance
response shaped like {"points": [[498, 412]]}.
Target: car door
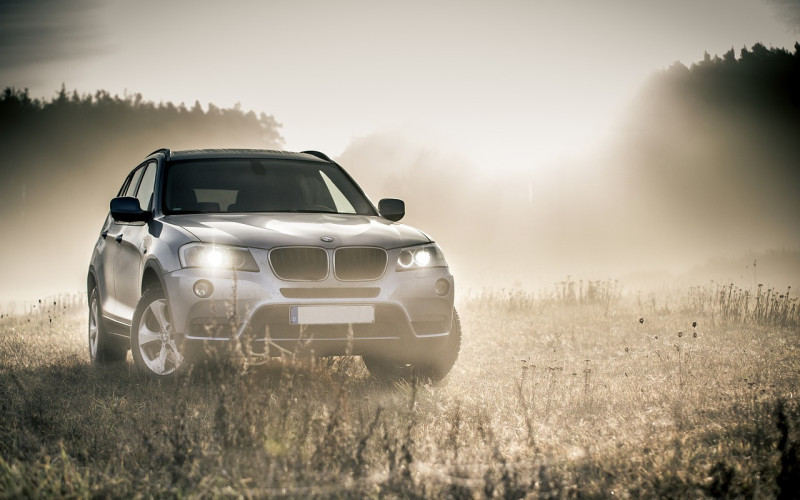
{"points": [[132, 248], [108, 249]]}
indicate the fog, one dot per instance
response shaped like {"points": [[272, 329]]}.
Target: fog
{"points": [[697, 182], [594, 219], [65, 159]]}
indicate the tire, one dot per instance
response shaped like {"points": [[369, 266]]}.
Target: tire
{"points": [[103, 347], [154, 347], [433, 366]]}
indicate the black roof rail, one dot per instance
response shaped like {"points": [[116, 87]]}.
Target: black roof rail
{"points": [[321, 156], [162, 150]]}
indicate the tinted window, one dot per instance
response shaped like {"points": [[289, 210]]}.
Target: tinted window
{"points": [[261, 186], [129, 186], [145, 191]]}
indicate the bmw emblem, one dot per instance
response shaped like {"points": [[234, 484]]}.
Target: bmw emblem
{"points": [[327, 239]]}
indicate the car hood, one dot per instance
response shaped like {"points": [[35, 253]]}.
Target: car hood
{"points": [[283, 229]]}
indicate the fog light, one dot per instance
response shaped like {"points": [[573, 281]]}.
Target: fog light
{"points": [[442, 287], [203, 288]]}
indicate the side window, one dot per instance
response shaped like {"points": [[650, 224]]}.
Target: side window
{"points": [[130, 189], [145, 192], [125, 184]]}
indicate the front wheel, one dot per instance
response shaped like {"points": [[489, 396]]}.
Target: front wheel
{"points": [[433, 366], [155, 349]]}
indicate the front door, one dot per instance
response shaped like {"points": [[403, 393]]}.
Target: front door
{"points": [[132, 249]]}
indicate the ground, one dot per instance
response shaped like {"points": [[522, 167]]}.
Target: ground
{"points": [[580, 391]]}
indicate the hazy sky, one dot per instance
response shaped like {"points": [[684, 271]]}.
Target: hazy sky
{"points": [[509, 83]]}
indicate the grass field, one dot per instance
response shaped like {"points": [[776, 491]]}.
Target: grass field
{"points": [[575, 392]]}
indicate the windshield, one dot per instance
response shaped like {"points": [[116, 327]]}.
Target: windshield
{"points": [[253, 185]]}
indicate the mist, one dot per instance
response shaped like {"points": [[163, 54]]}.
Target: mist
{"points": [[697, 182], [63, 161]]}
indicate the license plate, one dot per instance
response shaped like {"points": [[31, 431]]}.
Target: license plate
{"points": [[331, 315]]}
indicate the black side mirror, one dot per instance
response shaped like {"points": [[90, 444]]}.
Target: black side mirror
{"points": [[127, 209], [392, 209]]}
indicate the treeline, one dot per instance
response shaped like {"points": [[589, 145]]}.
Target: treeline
{"points": [[68, 134], [725, 103], [93, 139], [64, 158], [711, 153], [762, 81]]}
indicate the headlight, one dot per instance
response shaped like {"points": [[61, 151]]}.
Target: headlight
{"points": [[217, 257], [421, 257]]}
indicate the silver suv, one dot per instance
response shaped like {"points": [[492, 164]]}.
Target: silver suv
{"points": [[265, 253]]}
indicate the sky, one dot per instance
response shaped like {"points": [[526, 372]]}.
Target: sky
{"points": [[507, 84]]}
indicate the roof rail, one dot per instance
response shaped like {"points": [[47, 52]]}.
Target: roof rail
{"points": [[321, 156], [162, 150]]}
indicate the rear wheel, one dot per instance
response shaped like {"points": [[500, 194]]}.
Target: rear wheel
{"points": [[433, 366], [154, 347], [103, 347]]}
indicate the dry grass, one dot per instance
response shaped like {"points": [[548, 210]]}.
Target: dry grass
{"points": [[567, 393]]}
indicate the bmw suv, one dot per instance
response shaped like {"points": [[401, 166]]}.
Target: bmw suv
{"points": [[265, 253]]}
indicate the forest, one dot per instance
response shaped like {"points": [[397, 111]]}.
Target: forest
{"points": [[710, 152], [68, 135], [64, 159]]}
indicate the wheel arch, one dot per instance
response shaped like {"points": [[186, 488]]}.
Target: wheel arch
{"points": [[152, 277], [91, 282]]}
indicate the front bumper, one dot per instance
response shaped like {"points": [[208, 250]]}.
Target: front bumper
{"points": [[255, 308]]}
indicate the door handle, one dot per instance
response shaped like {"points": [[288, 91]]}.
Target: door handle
{"points": [[119, 238]]}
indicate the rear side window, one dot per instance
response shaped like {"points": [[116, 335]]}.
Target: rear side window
{"points": [[145, 192], [129, 186]]}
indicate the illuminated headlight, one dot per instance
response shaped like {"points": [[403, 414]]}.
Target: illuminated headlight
{"points": [[217, 257], [421, 257]]}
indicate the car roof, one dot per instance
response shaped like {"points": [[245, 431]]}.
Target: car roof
{"points": [[197, 154]]}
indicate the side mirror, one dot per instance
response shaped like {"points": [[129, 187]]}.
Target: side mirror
{"points": [[127, 209], [392, 209]]}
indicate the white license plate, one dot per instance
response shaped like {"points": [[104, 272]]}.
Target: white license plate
{"points": [[331, 315]]}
